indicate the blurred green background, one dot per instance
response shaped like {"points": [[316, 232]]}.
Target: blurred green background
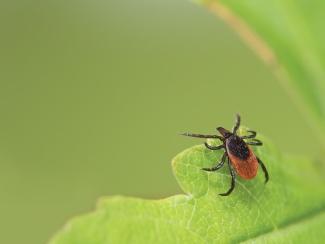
{"points": [[93, 95]]}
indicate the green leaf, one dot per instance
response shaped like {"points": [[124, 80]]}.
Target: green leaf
{"points": [[289, 36], [293, 200]]}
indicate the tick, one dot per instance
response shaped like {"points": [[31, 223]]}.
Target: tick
{"points": [[240, 155]]}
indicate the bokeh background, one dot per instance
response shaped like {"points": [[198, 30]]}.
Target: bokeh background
{"points": [[93, 95]]}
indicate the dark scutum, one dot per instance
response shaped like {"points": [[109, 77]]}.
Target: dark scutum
{"points": [[237, 147]]}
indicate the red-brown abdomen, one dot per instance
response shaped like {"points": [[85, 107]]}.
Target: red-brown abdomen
{"points": [[247, 166]]}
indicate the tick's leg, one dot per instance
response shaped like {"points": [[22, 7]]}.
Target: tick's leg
{"points": [[232, 180], [219, 165], [255, 142], [253, 134], [237, 124], [264, 169], [213, 148], [203, 136]]}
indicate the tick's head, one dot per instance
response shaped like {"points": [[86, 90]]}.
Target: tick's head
{"points": [[225, 133]]}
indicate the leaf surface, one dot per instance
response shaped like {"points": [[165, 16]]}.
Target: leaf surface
{"points": [[291, 202]]}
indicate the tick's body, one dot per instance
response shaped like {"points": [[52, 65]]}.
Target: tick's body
{"points": [[239, 154], [241, 157]]}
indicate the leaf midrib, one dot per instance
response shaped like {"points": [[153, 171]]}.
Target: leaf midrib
{"points": [[291, 224]]}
